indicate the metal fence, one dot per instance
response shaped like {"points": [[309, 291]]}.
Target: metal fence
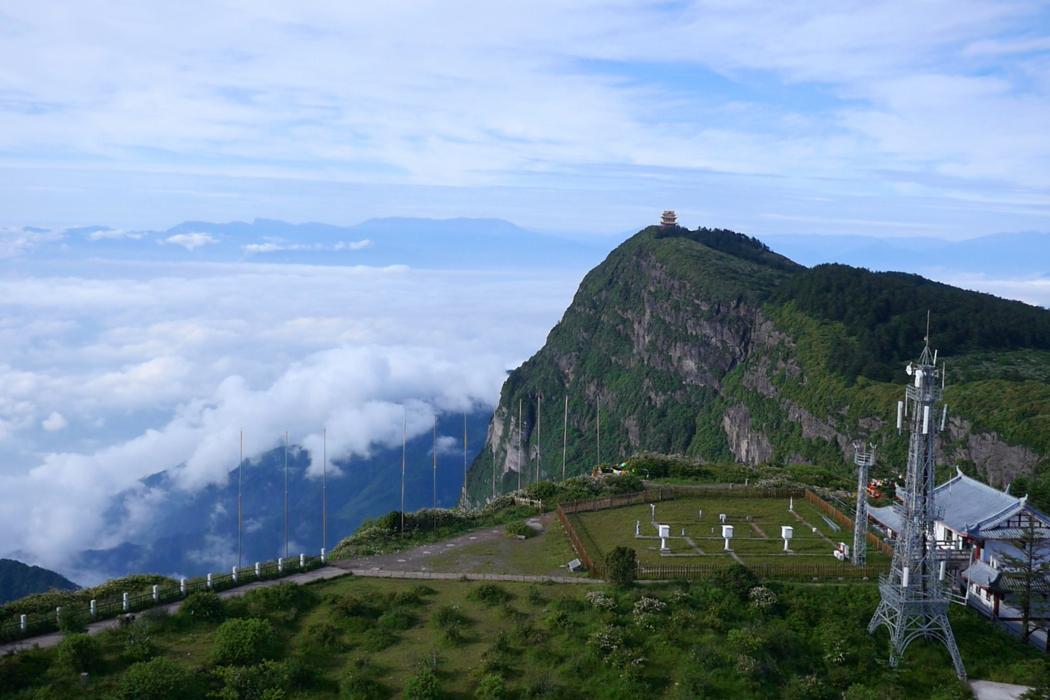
{"points": [[34, 624], [786, 570]]}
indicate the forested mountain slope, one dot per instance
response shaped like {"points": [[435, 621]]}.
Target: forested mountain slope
{"points": [[706, 343], [18, 580]]}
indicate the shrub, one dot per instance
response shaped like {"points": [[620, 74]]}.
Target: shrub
{"points": [[492, 687], [270, 680], [519, 529], [282, 598], [348, 607], [158, 679], [71, 621], [324, 636], [79, 652], [622, 564], [378, 639], [360, 682], [737, 580], [245, 642], [397, 619], [138, 647], [446, 616], [490, 594], [204, 606], [422, 686], [23, 669]]}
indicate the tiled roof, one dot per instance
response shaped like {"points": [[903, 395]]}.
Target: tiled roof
{"points": [[968, 506], [982, 574]]}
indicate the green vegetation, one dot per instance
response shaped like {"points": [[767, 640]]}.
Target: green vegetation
{"points": [[18, 580], [79, 599], [730, 635]]}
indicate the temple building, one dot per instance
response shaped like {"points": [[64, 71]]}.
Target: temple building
{"points": [[979, 528], [668, 219]]}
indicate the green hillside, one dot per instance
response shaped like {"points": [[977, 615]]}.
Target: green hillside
{"points": [[708, 344], [18, 580]]}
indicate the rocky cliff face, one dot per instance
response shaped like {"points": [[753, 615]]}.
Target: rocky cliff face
{"points": [[671, 345]]}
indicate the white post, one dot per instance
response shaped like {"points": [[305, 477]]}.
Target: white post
{"points": [[324, 558], [700, 515], [637, 528], [683, 532], [653, 517], [58, 615], [280, 565], [209, 582], [302, 561], [258, 570], [182, 587], [791, 503], [126, 602], [156, 594], [234, 572], [94, 608], [23, 623]]}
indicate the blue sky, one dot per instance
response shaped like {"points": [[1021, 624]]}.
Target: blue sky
{"points": [[577, 117], [585, 119]]}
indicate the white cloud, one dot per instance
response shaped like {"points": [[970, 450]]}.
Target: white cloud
{"points": [[113, 234], [190, 241], [165, 367], [54, 422], [352, 245], [15, 242]]}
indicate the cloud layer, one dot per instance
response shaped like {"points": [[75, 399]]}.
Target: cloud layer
{"points": [[110, 379]]}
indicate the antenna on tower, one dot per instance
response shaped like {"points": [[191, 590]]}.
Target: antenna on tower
{"points": [[240, 494], [914, 594]]}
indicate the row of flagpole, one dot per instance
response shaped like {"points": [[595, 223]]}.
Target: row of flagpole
{"points": [[324, 484], [539, 436]]}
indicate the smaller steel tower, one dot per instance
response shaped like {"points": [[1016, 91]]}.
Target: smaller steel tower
{"points": [[863, 458]]}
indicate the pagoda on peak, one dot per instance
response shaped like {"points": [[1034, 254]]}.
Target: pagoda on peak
{"points": [[668, 219]]}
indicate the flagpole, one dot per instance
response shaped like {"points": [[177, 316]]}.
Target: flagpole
{"points": [[598, 405], [519, 444], [286, 494], [565, 438], [435, 471], [404, 444], [240, 495], [324, 493]]}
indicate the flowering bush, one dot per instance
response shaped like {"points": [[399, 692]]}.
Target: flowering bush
{"points": [[762, 598], [601, 601], [647, 612], [606, 641]]}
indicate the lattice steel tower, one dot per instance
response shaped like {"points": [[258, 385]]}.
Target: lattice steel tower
{"points": [[863, 458], [914, 594]]}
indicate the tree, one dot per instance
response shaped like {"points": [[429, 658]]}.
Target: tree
{"points": [[1026, 576], [622, 564]]}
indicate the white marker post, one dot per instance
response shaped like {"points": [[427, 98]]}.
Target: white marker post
{"points": [[653, 506], [637, 528]]}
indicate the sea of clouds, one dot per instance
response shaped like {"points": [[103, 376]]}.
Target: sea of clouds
{"points": [[113, 371]]}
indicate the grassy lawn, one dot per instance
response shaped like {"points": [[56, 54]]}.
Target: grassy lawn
{"points": [[756, 523], [544, 555]]}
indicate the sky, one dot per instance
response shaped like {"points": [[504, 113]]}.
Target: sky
{"points": [[582, 119]]}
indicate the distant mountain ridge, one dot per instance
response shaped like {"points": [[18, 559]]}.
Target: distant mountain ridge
{"points": [[460, 243], [18, 580], [709, 344]]}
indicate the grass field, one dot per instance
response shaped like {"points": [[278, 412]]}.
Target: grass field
{"points": [[756, 537], [545, 555]]}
